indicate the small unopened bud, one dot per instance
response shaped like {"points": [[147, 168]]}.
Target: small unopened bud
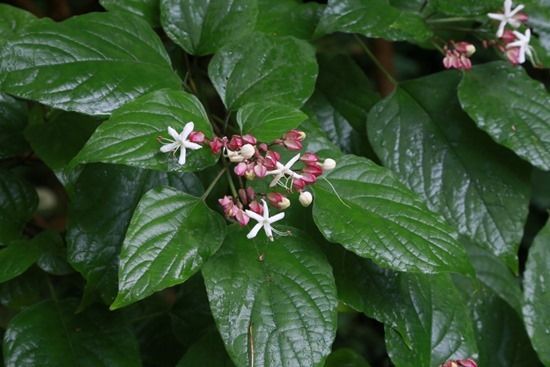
{"points": [[305, 198], [329, 164], [234, 156], [278, 200], [470, 50], [247, 151], [285, 203], [302, 134]]}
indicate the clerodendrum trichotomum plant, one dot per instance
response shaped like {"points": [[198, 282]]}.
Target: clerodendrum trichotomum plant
{"points": [[275, 183]]}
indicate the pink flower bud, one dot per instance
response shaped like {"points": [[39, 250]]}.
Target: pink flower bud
{"points": [[508, 36], [216, 145], [292, 140], [309, 178], [467, 363], [227, 204], [249, 139], [235, 143], [521, 17], [243, 196], [278, 200], [240, 169], [250, 193], [298, 184], [260, 170], [196, 137], [271, 159], [314, 170], [263, 147], [512, 54], [256, 207], [241, 217], [309, 158]]}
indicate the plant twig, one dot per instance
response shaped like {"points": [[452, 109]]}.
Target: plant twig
{"points": [[213, 183], [377, 62]]}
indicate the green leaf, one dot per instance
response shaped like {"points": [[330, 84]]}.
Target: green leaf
{"points": [[317, 140], [208, 351], [76, 65], [367, 210], [440, 154], [536, 312], [373, 18], [345, 358], [170, 236], [467, 7], [511, 107], [23, 291], [201, 27], [18, 201], [268, 121], [53, 253], [16, 258], [539, 19], [51, 334], [262, 68], [13, 119], [100, 212], [426, 322], [130, 136], [13, 20], [279, 309], [59, 139], [148, 10], [288, 18]]}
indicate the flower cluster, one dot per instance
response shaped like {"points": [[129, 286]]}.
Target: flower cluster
{"points": [[460, 363], [187, 139], [457, 55], [514, 44]]}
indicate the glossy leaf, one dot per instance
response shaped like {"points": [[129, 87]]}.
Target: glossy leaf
{"points": [[208, 351], [23, 291], [75, 65], [536, 312], [51, 334], [13, 119], [53, 253], [148, 10], [511, 107], [372, 18], [131, 135], [439, 153], [367, 210], [13, 20], [277, 310], [16, 258], [100, 212], [318, 141], [201, 27], [345, 358], [170, 236], [467, 7], [288, 18], [262, 68], [267, 121], [59, 139]]}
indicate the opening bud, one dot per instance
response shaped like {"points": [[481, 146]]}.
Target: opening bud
{"points": [[247, 151], [305, 198], [234, 156], [329, 164]]}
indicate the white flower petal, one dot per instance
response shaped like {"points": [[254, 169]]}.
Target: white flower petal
{"points": [[173, 133], [169, 147], [187, 129], [254, 215], [496, 16], [268, 232], [277, 217], [183, 154], [254, 231], [191, 145]]}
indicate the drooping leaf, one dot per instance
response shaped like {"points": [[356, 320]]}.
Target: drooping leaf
{"points": [[16, 258], [288, 18], [262, 68], [267, 121], [366, 209], [345, 358], [201, 27], [131, 135], [13, 119], [76, 64], [511, 107], [372, 18], [51, 334], [13, 20], [467, 7], [100, 212], [170, 236], [148, 10], [208, 351], [437, 150], [536, 310], [274, 303], [59, 139]]}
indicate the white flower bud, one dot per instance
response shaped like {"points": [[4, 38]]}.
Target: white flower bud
{"points": [[234, 156], [305, 198], [284, 203], [470, 50], [302, 135], [329, 164], [247, 151]]}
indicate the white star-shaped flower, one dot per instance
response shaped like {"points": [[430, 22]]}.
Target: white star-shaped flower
{"points": [[264, 221], [508, 17], [180, 141], [284, 169], [523, 44]]}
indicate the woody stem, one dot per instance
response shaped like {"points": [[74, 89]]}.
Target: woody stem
{"points": [[214, 182]]}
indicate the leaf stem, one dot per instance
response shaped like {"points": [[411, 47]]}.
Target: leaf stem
{"points": [[369, 53], [450, 20], [213, 183]]}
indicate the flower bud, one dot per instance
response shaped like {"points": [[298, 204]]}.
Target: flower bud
{"points": [[235, 143], [309, 158], [256, 207], [278, 200], [329, 164], [250, 175], [249, 139], [470, 50], [196, 137], [247, 151], [314, 170], [234, 156], [216, 145], [305, 198], [240, 169], [260, 170]]}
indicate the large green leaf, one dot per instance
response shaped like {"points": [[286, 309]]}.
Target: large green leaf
{"points": [[268, 121], [18, 201], [201, 27], [536, 308], [53, 253], [51, 334], [208, 351], [539, 19], [511, 107], [13, 20], [373, 18], [16, 258], [345, 358], [366, 209], [426, 322], [288, 18], [146, 9], [467, 7], [170, 236], [435, 148], [130, 136], [92, 63], [100, 212], [23, 291], [13, 119], [274, 302], [262, 68], [59, 139]]}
